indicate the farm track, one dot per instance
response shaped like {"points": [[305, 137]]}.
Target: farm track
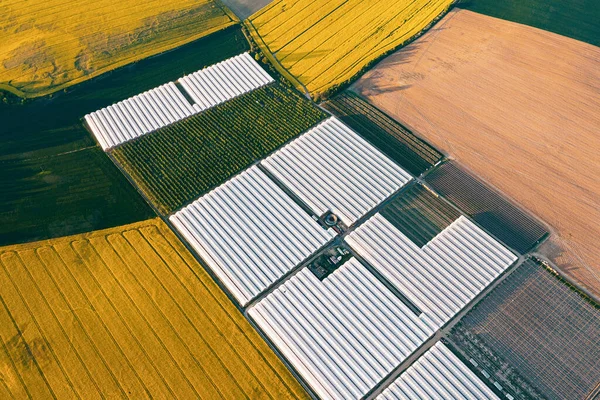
{"points": [[118, 313], [517, 106]]}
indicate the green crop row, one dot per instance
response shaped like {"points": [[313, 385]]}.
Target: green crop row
{"points": [[175, 165]]}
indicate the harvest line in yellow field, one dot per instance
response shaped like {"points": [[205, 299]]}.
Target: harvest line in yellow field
{"points": [[58, 43], [126, 312], [324, 44]]}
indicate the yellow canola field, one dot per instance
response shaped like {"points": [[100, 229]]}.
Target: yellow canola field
{"points": [[51, 44], [126, 313], [325, 43]]}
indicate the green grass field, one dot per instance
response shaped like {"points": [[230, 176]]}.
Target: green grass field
{"points": [[180, 162], [64, 193], [577, 19], [52, 182]]}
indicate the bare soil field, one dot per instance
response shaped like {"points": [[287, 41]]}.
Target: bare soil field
{"points": [[518, 106]]}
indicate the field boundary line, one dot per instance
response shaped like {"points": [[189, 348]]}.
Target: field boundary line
{"points": [[122, 63], [210, 288], [207, 315], [254, 37], [338, 87], [53, 313], [109, 299], [27, 309], [227, 11], [128, 295]]}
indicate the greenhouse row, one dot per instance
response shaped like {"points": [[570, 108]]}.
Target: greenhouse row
{"points": [[166, 104], [250, 233], [438, 374], [346, 333], [344, 321], [332, 168], [138, 115], [444, 275], [225, 80]]}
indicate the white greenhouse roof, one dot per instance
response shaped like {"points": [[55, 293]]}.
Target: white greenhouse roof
{"points": [[250, 233], [443, 276], [138, 115], [348, 332], [332, 168], [438, 375], [166, 104], [225, 80], [343, 334]]}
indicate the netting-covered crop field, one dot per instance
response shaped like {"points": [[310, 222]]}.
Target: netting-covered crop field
{"points": [[507, 222], [178, 163], [420, 214], [538, 325]]}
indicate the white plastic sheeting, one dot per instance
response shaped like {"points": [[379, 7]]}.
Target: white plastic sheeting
{"points": [[444, 275], [346, 333], [438, 375], [159, 107], [138, 115], [343, 334], [332, 168], [224, 81], [250, 233]]}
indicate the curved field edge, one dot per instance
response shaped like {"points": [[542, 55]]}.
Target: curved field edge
{"points": [[104, 312], [578, 19], [254, 37], [355, 70], [156, 51], [50, 186]]}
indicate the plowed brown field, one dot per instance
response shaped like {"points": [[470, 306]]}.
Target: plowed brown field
{"points": [[517, 105]]}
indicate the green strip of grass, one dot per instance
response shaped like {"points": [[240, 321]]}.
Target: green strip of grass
{"points": [[53, 179]]}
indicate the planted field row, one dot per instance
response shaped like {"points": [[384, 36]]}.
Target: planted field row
{"points": [[180, 162], [397, 142], [324, 44], [487, 207], [126, 313], [419, 214], [535, 334], [54, 44]]}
